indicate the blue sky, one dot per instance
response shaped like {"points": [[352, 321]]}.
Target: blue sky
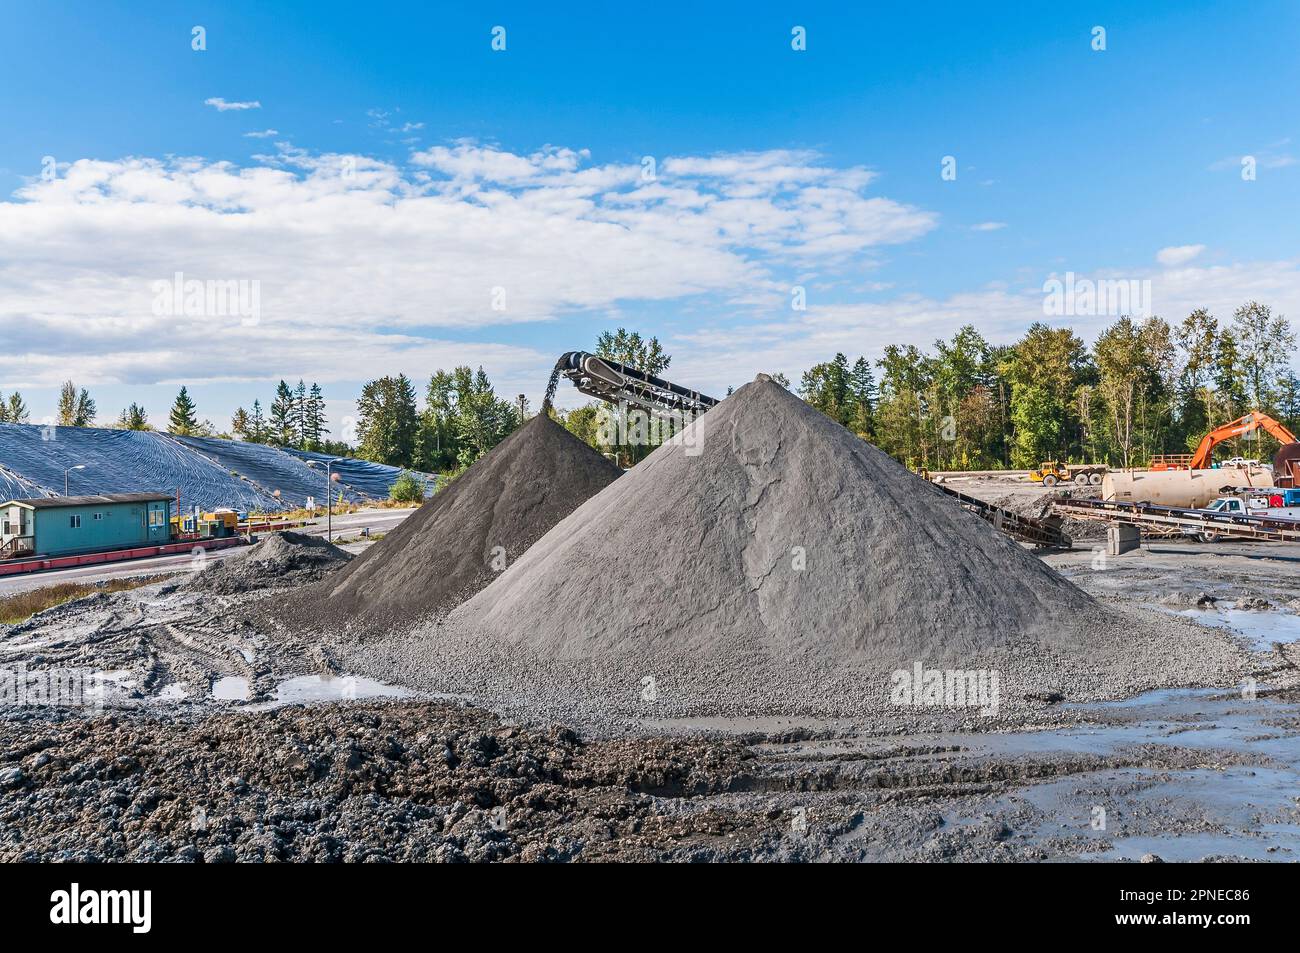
{"points": [[776, 168]]}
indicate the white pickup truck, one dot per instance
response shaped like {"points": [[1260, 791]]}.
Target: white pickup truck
{"points": [[1274, 501]]}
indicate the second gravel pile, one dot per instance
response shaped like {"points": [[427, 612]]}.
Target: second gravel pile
{"points": [[459, 541], [281, 560]]}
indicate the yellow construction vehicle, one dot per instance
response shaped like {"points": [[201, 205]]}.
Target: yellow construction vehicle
{"points": [[1052, 472], [216, 525]]}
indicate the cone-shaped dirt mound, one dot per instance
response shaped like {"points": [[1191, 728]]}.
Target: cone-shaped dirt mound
{"points": [[457, 542], [768, 528]]}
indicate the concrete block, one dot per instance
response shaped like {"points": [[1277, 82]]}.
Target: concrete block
{"points": [[1122, 538]]}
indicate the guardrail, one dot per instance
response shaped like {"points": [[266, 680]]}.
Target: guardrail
{"points": [[39, 563]]}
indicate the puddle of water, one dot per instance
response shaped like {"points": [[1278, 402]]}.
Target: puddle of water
{"points": [[308, 689], [1185, 848], [231, 688], [1262, 627], [1168, 700], [174, 692]]}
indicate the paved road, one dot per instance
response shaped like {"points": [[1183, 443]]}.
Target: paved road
{"points": [[344, 527]]}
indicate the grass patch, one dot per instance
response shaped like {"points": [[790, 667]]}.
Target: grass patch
{"points": [[23, 605]]}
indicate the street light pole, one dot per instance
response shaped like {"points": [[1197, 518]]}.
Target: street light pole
{"points": [[66, 471], [329, 503]]}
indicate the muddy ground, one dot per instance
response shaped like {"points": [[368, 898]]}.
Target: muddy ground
{"points": [[1185, 777], [157, 769]]}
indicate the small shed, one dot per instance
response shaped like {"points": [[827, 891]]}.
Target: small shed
{"points": [[67, 525]]}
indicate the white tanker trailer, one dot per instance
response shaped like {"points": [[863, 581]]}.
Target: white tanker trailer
{"points": [[1190, 488]]}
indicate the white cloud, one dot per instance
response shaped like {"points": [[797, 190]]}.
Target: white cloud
{"points": [[367, 267], [264, 134], [1176, 255], [714, 356], [988, 226], [222, 105]]}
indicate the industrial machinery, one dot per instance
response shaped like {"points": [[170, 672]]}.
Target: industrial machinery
{"points": [[616, 383], [1255, 420], [1190, 480], [1201, 523], [216, 525], [1051, 472]]}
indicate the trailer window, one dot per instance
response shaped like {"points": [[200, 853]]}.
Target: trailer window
{"points": [[75, 521]]}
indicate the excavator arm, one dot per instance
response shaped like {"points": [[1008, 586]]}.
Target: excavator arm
{"points": [[1242, 425]]}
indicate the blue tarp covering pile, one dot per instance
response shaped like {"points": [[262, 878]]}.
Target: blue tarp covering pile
{"points": [[367, 477], [209, 473]]}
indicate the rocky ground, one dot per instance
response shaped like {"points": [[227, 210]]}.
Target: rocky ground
{"points": [[151, 774], [419, 781]]}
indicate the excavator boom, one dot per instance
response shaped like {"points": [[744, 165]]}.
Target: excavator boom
{"points": [[1252, 421]]}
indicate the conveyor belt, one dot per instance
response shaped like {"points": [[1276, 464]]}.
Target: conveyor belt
{"points": [[1046, 533], [1190, 521], [617, 383]]}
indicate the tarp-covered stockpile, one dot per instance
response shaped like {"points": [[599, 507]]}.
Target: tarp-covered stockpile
{"points": [[209, 473], [361, 475]]}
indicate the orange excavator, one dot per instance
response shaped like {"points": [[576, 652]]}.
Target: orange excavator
{"points": [[1286, 465]]}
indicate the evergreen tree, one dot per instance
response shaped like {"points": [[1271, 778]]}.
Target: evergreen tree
{"points": [[314, 428], [387, 421], [17, 409], [133, 418], [76, 409], [257, 423], [241, 424], [300, 415], [182, 420], [281, 430]]}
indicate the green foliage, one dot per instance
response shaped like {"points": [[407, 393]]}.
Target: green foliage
{"points": [[13, 410], [387, 424], [462, 419], [76, 409], [133, 418], [846, 396], [628, 347], [1145, 387], [407, 488], [182, 420], [281, 430]]}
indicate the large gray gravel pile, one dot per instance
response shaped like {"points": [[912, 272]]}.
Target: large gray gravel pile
{"points": [[787, 569]]}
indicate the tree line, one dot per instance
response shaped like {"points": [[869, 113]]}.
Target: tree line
{"points": [[1145, 387], [462, 419], [295, 419]]}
